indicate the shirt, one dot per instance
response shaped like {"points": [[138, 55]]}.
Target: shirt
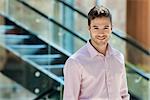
{"points": [[89, 75]]}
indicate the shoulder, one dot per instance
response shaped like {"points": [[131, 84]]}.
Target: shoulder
{"points": [[80, 54], [72, 64], [118, 55], [78, 57]]}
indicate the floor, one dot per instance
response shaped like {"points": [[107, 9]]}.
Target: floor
{"points": [[10, 90]]}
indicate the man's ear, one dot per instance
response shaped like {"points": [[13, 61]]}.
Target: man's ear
{"points": [[111, 27], [89, 27]]}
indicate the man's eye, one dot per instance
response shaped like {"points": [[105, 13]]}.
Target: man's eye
{"points": [[96, 28], [106, 28]]}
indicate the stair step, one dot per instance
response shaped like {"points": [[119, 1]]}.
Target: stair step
{"points": [[55, 69], [53, 66], [43, 58], [6, 27], [46, 56], [14, 39], [61, 77], [27, 49], [24, 46]]}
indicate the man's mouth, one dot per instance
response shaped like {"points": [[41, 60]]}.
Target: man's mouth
{"points": [[101, 38]]}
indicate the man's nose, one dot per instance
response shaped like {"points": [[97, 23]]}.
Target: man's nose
{"points": [[101, 31]]}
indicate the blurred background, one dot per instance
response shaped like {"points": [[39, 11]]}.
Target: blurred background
{"points": [[37, 36]]}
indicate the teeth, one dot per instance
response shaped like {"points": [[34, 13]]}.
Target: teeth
{"points": [[101, 38]]}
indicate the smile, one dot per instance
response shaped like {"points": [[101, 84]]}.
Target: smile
{"points": [[101, 38]]}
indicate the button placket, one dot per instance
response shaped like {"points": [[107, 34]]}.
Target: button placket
{"points": [[109, 79], [106, 76]]}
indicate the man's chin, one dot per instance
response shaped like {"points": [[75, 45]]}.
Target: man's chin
{"points": [[102, 42]]}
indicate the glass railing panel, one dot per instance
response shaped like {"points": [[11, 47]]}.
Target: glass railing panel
{"points": [[40, 26], [74, 21], [50, 8], [139, 42], [10, 90], [28, 18], [2, 5], [16, 64], [138, 58], [73, 17], [78, 22], [84, 5], [132, 53], [138, 85], [64, 15], [63, 40], [44, 6], [118, 43], [81, 25]]}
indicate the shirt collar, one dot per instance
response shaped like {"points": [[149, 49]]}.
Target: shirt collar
{"points": [[93, 52]]}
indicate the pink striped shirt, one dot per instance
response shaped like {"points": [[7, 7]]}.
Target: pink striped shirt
{"points": [[88, 75]]}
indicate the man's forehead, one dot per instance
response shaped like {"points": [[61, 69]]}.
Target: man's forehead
{"points": [[100, 23], [104, 25]]}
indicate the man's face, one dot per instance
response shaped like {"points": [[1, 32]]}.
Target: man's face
{"points": [[100, 30]]}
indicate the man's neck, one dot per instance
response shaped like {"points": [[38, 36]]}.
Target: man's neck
{"points": [[100, 48]]}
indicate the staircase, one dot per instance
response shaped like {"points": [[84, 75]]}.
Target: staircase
{"points": [[41, 69]]}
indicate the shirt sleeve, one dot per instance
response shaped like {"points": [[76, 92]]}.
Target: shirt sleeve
{"points": [[72, 80], [124, 87]]}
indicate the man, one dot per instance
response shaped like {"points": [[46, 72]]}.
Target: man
{"points": [[96, 71]]}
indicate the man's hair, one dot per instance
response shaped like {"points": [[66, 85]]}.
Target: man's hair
{"points": [[98, 11]]}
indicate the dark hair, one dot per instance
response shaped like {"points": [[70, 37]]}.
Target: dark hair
{"points": [[98, 11]]}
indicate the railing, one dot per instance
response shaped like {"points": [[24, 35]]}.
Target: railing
{"points": [[131, 42], [53, 21]]}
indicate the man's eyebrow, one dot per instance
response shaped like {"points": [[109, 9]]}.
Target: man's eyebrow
{"points": [[94, 26], [106, 25], [101, 26]]}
